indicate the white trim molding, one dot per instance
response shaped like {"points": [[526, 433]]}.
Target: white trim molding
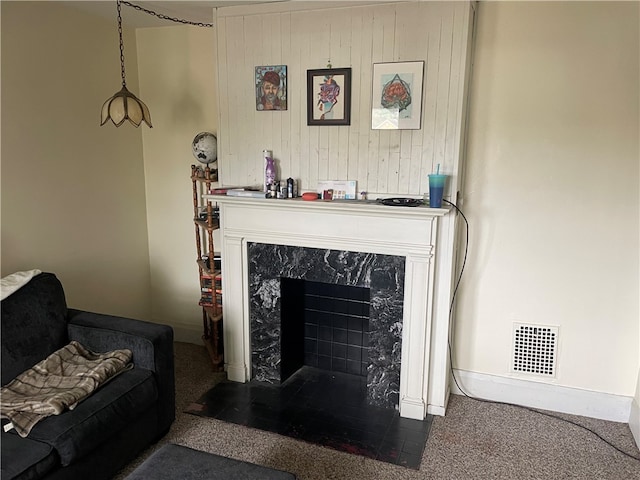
{"points": [[634, 416], [634, 421], [545, 396], [351, 226]]}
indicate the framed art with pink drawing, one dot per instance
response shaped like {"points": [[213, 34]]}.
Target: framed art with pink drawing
{"points": [[329, 96]]}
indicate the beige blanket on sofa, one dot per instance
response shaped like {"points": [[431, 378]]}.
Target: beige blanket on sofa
{"points": [[57, 383], [15, 281]]}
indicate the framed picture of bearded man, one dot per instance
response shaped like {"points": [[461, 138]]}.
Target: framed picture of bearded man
{"points": [[271, 88]]}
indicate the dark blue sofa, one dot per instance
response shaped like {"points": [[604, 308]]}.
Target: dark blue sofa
{"points": [[112, 426]]}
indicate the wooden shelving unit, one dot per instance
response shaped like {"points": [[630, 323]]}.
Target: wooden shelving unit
{"points": [[206, 221]]}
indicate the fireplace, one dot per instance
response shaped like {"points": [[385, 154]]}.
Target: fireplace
{"points": [[381, 275], [350, 243], [336, 327]]}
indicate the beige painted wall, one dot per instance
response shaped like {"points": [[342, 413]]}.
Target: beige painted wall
{"points": [[177, 80], [554, 100], [552, 189], [72, 191]]}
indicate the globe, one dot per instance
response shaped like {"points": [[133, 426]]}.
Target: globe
{"points": [[205, 147]]}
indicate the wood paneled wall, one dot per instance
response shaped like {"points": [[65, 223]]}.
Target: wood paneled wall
{"points": [[303, 36]]}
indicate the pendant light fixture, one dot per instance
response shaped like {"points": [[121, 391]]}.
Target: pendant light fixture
{"points": [[124, 105]]}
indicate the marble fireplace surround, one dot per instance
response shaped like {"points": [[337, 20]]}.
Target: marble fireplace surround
{"points": [[381, 275], [349, 226]]}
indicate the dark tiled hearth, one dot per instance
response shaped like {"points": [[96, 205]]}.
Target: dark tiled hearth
{"points": [[322, 407]]}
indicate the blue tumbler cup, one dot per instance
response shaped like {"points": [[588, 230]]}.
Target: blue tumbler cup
{"points": [[436, 189]]}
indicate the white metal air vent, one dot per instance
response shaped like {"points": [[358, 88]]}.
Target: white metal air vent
{"points": [[534, 349]]}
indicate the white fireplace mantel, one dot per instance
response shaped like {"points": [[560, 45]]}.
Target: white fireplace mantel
{"points": [[411, 232]]}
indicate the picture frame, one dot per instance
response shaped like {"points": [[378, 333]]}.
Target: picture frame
{"points": [[329, 96], [271, 87], [396, 99]]}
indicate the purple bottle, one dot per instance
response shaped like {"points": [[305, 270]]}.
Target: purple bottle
{"points": [[269, 171]]}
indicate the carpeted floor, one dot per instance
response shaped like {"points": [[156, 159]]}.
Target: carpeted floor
{"points": [[474, 440]]}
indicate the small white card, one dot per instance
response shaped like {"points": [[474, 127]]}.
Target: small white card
{"points": [[337, 189]]}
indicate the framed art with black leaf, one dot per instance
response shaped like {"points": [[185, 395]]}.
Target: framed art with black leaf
{"points": [[396, 102]]}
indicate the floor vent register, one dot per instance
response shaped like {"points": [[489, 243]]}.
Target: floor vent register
{"points": [[534, 349]]}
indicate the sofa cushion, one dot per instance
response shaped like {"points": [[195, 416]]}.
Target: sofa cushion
{"points": [[33, 324], [95, 420], [25, 458]]}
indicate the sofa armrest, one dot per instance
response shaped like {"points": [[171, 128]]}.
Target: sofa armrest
{"points": [[150, 343]]}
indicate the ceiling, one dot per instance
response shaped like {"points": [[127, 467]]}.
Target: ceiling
{"points": [[194, 11]]}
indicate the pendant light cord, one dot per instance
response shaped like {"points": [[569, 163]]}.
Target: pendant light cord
{"points": [[164, 17], [124, 82]]}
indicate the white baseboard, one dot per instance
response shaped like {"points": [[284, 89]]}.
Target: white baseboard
{"points": [[634, 422], [411, 408], [556, 398], [436, 410], [187, 333], [440, 410]]}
